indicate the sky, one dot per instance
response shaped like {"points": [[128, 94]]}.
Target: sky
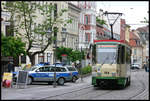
{"points": [[133, 11]]}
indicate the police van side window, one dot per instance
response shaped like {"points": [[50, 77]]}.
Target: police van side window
{"points": [[63, 69], [71, 69], [58, 69], [46, 69], [52, 69], [41, 69]]}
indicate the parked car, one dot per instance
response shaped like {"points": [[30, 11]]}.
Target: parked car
{"points": [[135, 66], [46, 74]]}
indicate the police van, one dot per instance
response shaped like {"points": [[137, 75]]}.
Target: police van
{"points": [[46, 74]]}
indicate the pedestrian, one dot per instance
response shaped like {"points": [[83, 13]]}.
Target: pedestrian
{"points": [[10, 67], [145, 67], [73, 65]]}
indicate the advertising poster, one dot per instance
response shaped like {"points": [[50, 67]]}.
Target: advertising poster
{"points": [[7, 79]]}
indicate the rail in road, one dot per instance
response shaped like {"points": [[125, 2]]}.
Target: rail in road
{"points": [[134, 92], [142, 92]]}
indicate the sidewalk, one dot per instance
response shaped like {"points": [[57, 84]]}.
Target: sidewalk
{"points": [[42, 91]]}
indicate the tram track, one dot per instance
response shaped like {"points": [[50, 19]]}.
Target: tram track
{"points": [[69, 92], [84, 93], [139, 92], [90, 92]]}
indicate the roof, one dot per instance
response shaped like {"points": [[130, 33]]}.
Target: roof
{"points": [[133, 36], [132, 43], [114, 41], [133, 40], [108, 41]]}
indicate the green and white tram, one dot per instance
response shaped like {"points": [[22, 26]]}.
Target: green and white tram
{"points": [[113, 59]]}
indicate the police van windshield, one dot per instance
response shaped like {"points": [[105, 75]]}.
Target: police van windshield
{"points": [[106, 55]]}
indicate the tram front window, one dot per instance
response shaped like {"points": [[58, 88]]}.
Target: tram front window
{"points": [[106, 55]]}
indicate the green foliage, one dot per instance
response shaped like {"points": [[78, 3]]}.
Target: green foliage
{"points": [[86, 70], [101, 22], [72, 55], [11, 46], [63, 50], [25, 16]]}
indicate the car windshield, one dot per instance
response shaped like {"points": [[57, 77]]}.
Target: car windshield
{"points": [[106, 55], [33, 68]]}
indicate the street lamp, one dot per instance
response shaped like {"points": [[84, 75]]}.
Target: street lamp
{"points": [[63, 34]]}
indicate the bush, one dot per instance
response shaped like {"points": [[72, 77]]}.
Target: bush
{"points": [[86, 70]]}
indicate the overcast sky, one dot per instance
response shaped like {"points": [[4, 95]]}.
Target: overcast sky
{"points": [[134, 11]]}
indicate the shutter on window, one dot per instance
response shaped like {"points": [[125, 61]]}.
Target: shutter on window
{"points": [[88, 19]]}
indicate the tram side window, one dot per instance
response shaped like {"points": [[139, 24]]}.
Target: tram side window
{"points": [[119, 55], [122, 54]]}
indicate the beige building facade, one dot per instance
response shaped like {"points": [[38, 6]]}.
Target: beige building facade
{"points": [[127, 32], [73, 28], [71, 40]]}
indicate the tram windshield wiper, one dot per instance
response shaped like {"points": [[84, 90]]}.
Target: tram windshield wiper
{"points": [[114, 58], [105, 60]]}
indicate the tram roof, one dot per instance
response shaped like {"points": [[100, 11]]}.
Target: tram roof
{"points": [[117, 41], [108, 41]]}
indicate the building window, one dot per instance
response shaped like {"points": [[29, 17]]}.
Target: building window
{"points": [[41, 57], [86, 19], [49, 57], [8, 31], [134, 51], [86, 37], [55, 10]]}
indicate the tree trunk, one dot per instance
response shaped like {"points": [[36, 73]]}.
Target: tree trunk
{"points": [[32, 59]]}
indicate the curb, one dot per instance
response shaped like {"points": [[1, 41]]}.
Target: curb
{"points": [[85, 75]]}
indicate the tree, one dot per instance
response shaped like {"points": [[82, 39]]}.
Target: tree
{"points": [[100, 21], [11, 46], [145, 20], [25, 15], [72, 55], [63, 50]]}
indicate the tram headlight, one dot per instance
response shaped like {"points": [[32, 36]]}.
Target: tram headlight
{"points": [[113, 74]]}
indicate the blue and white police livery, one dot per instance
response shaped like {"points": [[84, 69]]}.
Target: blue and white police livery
{"points": [[46, 74]]}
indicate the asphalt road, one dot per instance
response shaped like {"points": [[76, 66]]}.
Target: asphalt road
{"points": [[139, 89]]}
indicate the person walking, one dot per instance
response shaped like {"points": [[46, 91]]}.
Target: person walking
{"points": [[10, 67], [145, 67]]}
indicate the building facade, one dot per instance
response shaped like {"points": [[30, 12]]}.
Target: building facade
{"points": [[137, 49], [48, 54], [73, 28]]}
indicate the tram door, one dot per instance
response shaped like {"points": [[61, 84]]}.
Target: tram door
{"points": [[120, 59]]}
